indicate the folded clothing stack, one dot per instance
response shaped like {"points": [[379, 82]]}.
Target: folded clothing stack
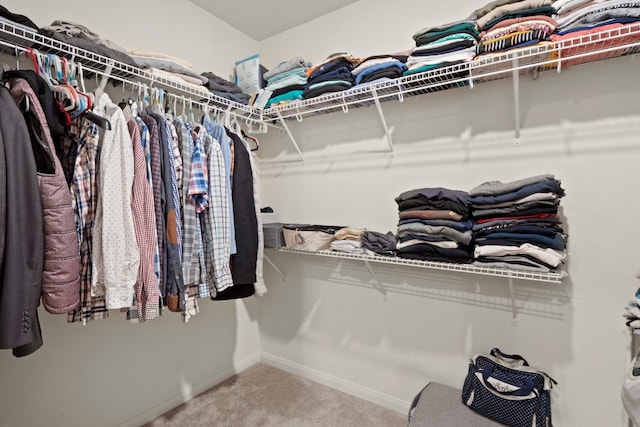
{"points": [[348, 240], [379, 68], [331, 75], [169, 67], [611, 23], [17, 18], [434, 225], [287, 80], [443, 45], [511, 24], [224, 88], [516, 33], [376, 243], [82, 37], [500, 10], [573, 15], [517, 224], [19, 21]]}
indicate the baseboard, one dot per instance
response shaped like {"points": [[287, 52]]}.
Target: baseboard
{"points": [[341, 384], [195, 389]]}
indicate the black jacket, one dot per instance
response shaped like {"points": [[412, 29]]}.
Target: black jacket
{"points": [[23, 242]]}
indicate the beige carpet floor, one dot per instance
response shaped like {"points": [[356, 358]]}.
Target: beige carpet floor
{"points": [[263, 396]]}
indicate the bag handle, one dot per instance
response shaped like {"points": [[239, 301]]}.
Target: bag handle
{"points": [[511, 359], [525, 389]]}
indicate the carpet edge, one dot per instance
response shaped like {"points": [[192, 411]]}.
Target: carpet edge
{"points": [[357, 390]]}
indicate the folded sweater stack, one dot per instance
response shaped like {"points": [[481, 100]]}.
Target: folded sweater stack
{"points": [[331, 75], [287, 80], [434, 225], [443, 45], [517, 224]]}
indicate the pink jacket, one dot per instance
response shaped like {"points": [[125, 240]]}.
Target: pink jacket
{"points": [[61, 273]]}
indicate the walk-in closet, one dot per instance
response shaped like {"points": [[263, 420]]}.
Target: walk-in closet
{"points": [[186, 298]]}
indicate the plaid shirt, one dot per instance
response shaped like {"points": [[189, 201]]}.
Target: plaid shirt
{"points": [[219, 134], [156, 177], [145, 137], [147, 291], [85, 137], [145, 140], [174, 186], [216, 220], [198, 175], [191, 243], [177, 158], [199, 163]]}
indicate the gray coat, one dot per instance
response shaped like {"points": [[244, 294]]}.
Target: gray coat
{"points": [[23, 243]]}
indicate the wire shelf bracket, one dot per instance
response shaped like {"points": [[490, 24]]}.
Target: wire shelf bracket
{"points": [[516, 98], [387, 132], [288, 131], [275, 267]]}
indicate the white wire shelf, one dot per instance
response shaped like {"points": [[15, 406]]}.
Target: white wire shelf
{"points": [[621, 41], [15, 39], [464, 268]]}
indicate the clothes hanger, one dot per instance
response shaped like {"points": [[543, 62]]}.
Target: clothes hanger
{"points": [[251, 138], [86, 100], [192, 118], [184, 110]]}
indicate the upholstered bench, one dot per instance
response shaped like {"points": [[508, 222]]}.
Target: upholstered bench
{"points": [[439, 405]]}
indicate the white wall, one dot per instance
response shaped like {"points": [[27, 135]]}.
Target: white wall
{"points": [[329, 321], [112, 372]]}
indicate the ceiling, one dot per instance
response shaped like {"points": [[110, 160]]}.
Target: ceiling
{"points": [[262, 19]]}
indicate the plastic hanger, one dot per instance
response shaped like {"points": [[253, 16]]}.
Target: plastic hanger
{"points": [[251, 138], [192, 118]]}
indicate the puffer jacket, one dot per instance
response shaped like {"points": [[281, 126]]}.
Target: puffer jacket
{"points": [[61, 272]]}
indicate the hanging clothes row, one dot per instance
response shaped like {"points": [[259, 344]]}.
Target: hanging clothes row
{"points": [[118, 207]]}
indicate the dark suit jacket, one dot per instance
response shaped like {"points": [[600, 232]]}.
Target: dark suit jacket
{"points": [[22, 258]]}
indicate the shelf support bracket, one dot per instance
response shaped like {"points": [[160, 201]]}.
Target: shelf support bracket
{"points": [[286, 128], [387, 132], [375, 279], [514, 311], [280, 273], [516, 96]]}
